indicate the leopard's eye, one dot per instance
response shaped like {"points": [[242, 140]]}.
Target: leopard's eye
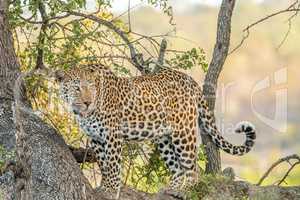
{"points": [[77, 88]]}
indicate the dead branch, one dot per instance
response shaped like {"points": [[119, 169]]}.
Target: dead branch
{"points": [[162, 51], [41, 37], [288, 172], [289, 27], [210, 83], [294, 7], [281, 160]]}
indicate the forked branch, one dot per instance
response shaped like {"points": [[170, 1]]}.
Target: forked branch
{"points": [[294, 7], [281, 160]]}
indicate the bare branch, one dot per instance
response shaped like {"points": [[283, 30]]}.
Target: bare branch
{"points": [[161, 56], [162, 51], [41, 37], [289, 28], [246, 31], [55, 18], [268, 17], [288, 172], [129, 16], [285, 159]]}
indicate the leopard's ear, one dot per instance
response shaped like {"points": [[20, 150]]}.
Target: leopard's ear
{"points": [[59, 75]]}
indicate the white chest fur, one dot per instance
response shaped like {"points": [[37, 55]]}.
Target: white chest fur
{"points": [[92, 127]]}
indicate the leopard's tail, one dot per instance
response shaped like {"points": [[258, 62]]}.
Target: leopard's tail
{"points": [[208, 126]]}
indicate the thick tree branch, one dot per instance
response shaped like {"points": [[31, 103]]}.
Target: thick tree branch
{"points": [[161, 57], [224, 189], [211, 79], [41, 37], [162, 52]]}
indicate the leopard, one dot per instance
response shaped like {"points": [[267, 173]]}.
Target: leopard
{"points": [[167, 108]]}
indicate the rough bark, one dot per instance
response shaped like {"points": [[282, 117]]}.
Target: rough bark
{"points": [[9, 70], [234, 190], [211, 79]]}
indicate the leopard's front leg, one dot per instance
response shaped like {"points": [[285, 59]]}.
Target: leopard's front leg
{"points": [[108, 154]]}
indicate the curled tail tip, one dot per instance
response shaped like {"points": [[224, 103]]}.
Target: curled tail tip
{"points": [[249, 130], [245, 127]]}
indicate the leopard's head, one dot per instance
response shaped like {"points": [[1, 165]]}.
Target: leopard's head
{"points": [[77, 89]]}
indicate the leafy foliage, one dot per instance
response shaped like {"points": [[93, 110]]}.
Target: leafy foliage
{"points": [[189, 59], [165, 7], [144, 168]]}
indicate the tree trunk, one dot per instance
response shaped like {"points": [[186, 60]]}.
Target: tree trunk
{"points": [[9, 71], [211, 79]]}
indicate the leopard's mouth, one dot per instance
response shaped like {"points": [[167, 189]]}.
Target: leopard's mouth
{"points": [[76, 112], [79, 111]]}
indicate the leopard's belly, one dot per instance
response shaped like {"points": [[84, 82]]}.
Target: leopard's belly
{"points": [[97, 129]]}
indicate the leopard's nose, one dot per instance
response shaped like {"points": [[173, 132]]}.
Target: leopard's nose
{"points": [[87, 104]]}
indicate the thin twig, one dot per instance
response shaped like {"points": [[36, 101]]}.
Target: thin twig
{"points": [[290, 8], [124, 13], [288, 172], [281, 160], [289, 28], [129, 17]]}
